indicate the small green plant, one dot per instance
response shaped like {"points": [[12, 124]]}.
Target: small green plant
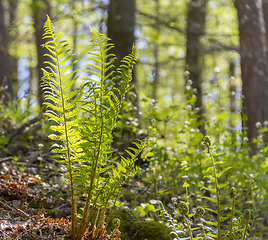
{"points": [[84, 120], [223, 215]]}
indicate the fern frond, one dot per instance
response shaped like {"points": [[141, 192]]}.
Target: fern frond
{"points": [[85, 119], [59, 79]]}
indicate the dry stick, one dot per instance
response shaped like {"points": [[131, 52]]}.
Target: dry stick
{"points": [[5, 234], [5, 203], [20, 129], [5, 159]]}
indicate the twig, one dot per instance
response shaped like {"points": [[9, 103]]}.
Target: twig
{"points": [[5, 234], [5, 203], [5, 159], [160, 21], [20, 129]]}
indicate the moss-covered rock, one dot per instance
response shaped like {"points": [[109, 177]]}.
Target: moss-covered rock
{"points": [[149, 230], [133, 229]]}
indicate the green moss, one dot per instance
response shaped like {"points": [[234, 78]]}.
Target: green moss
{"points": [[143, 230], [133, 229], [126, 221]]}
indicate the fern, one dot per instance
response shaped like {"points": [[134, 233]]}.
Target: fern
{"points": [[221, 217], [223, 231], [84, 121]]}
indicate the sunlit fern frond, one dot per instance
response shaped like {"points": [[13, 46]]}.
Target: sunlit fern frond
{"points": [[84, 120], [104, 92], [61, 100], [122, 79]]}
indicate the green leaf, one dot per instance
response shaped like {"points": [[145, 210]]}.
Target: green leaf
{"points": [[222, 185], [197, 138], [223, 171], [222, 116], [210, 199], [212, 190], [211, 223]]}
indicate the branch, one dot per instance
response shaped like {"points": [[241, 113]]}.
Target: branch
{"points": [[162, 22], [20, 129]]}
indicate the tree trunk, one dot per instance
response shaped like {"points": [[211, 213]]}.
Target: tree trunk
{"points": [[6, 91], [121, 26], [253, 64], [265, 15], [156, 52], [13, 33], [41, 9], [196, 19], [232, 89], [75, 34]]}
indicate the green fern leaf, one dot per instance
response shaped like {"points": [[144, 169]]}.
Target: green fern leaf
{"points": [[223, 171], [210, 199]]}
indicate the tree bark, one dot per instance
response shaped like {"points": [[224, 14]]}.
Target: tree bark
{"points": [[196, 19], [6, 90], [265, 15], [41, 9], [156, 52], [13, 33], [253, 64], [121, 26]]}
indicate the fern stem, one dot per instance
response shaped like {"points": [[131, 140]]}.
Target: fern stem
{"points": [[247, 215], [189, 227], [203, 231], [217, 188], [199, 214], [231, 220], [85, 220]]}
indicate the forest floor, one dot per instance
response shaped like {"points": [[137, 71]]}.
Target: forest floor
{"points": [[34, 198], [34, 195], [20, 199]]}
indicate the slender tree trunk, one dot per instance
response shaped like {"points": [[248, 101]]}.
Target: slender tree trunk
{"points": [[155, 52], [253, 64], [41, 9], [13, 33], [232, 88], [75, 32], [196, 19], [265, 15], [6, 91]]}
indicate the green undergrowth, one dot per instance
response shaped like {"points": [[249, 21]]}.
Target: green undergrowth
{"points": [[181, 166], [84, 112], [223, 220], [220, 181]]}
